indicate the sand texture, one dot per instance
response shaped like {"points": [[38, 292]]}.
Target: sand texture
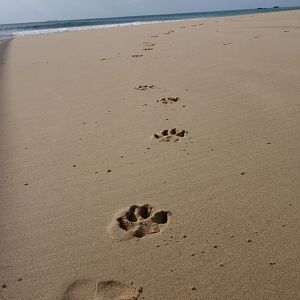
{"points": [[152, 162]]}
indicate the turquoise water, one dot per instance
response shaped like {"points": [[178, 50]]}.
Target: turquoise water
{"points": [[12, 30]]}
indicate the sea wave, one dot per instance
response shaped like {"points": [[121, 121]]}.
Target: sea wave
{"points": [[10, 35], [9, 31]]}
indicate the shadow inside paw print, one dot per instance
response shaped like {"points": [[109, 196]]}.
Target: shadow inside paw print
{"points": [[149, 44], [170, 135], [168, 100], [139, 221], [144, 87], [169, 32]]}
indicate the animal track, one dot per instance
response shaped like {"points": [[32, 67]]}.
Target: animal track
{"points": [[149, 44], [195, 25], [144, 87], [169, 32], [147, 49], [168, 100], [137, 55], [85, 289], [172, 135], [138, 221]]}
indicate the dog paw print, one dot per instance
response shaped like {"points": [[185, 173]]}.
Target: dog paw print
{"points": [[149, 44], [168, 100], [139, 221], [144, 87], [169, 32], [170, 135]]}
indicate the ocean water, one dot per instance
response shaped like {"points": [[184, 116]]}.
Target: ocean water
{"points": [[8, 31]]}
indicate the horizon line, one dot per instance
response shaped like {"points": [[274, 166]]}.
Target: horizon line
{"points": [[150, 15]]}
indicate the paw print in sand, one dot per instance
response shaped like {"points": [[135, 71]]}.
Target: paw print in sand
{"points": [[170, 135], [168, 100], [138, 221], [144, 87]]}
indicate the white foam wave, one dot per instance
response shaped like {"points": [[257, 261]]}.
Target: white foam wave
{"points": [[69, 29], [82, 28]]}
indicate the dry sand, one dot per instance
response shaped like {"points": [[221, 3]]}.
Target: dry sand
{"points": [[77, 152]]}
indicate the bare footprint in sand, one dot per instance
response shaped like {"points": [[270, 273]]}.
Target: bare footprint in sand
{"points": [[138, 221], [85, 289], [170, 135]]}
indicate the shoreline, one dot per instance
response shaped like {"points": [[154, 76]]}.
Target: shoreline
{"points": [[138, 23]]}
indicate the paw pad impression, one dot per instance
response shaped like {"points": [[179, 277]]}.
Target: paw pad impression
{"points": [[138, 221], [144, 87], [170, 135], [168, 100]]}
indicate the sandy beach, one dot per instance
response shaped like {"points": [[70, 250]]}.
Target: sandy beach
{"points": [[158, 161]]}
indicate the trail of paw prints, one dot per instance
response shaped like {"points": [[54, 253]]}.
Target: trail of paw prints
{"points": [[168, 100], [138, 222], [170, 135], [85, 289]]}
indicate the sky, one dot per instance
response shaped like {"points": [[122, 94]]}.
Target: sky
{"points": [[16, 11]]}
